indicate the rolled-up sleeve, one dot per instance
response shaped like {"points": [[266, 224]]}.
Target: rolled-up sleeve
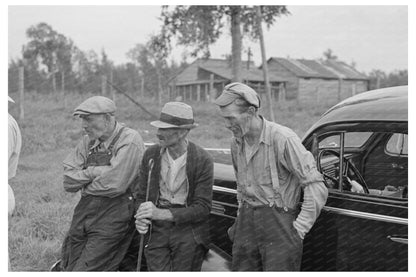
{"points": [[75, 177], [114, 179], [302, 164]]}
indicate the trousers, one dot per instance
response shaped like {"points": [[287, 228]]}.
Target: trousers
{"points": [[101, 231], [172, 247], [266, 240]]}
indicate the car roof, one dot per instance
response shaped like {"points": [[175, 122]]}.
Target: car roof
{"points": [[387, 104]]}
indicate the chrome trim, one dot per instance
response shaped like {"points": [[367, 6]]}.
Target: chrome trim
{"points": [[384, 218], [226, 190], [399, 240], [223, 215], [224, 150]]}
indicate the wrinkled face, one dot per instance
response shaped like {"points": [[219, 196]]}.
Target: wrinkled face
{"points": [[170, 136], [94, 125], [238, 123]]}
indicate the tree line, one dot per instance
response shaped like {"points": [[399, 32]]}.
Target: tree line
{"points": [[52, 62]]}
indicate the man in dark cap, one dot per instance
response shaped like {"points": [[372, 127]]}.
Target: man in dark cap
{"points": [[103, 166], [272, 167], [180, 194]]}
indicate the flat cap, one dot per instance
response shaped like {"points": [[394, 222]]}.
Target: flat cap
{"points": [[95, 105], [238, 90]]}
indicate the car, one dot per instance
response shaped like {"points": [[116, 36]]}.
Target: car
{"points": [[361, 148]]}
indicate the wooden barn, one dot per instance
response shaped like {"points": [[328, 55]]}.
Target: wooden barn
{"points": [[204, 80], [316, 81]]}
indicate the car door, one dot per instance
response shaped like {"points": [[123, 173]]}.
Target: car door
{"points": [[359, 232]]}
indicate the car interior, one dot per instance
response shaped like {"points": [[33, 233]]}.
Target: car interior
{"points": [[374, 163]]}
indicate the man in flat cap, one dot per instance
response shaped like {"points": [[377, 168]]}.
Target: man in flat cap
{"points": [[103, 166], [175, 215], [272, 167]]}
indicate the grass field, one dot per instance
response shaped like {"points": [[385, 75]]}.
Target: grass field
{"points": [[43, 209]]}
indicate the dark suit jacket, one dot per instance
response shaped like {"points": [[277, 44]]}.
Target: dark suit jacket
{"points": [[200, 172]]}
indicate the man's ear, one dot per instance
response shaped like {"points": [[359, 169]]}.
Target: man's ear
{"points": [[251, 110]]}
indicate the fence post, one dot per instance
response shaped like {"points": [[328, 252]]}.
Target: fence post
{"points": [[21, 93], [142, 87], [103, 85], [112, 91], [63, 88]]}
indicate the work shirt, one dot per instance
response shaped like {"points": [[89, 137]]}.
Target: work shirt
{"points": [[15, 145], [279, 152], [173, 179], [109, 180]]}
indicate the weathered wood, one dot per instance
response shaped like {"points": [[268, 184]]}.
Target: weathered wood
{"points": [[21, 93], [198, 93], [264, 67], [112, 91], [103, 85], [63, 89], [142, 87]]}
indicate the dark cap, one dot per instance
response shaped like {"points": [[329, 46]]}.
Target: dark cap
{"points": [[238, 90], [95, 105]]}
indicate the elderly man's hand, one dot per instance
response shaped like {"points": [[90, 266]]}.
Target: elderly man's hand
{"points": [[142, 225], [148, 210]]}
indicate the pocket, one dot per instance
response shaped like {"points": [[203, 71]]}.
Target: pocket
{"points": [[295, 233]]}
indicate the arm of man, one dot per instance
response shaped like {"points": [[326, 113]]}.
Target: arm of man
{"points": [[302, 164], [75, 177], [114, 179], [200, 206]]}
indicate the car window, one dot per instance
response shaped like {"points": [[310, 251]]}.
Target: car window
{"points": [[397, 145], [352, 139]]}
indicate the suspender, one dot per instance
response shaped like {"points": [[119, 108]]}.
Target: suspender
{"points": [[97, 158]]}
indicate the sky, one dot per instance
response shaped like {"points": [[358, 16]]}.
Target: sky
{"points": [[372, 37]]}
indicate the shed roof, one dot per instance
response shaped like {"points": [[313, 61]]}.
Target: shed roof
{"points": [[223, 69], [319, 69]]}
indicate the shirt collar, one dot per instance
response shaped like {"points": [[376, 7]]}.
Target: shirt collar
{"points": [[163, 149], [265, 133], [107, 142]]}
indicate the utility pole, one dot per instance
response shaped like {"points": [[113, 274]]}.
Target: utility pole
{"points": [[264, 61]]}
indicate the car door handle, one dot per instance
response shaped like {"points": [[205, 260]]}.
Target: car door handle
{"points": [[398, 238]]}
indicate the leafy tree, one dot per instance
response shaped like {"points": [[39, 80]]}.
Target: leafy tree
{"points": [[329, 55], [152, 65], [50, 49], [201, 26], [381, 79]]}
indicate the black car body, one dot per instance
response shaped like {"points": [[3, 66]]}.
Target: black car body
{"points": [[356, 231]]}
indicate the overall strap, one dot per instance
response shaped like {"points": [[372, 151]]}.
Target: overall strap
{"points": [[273, 166], [110, 147]]}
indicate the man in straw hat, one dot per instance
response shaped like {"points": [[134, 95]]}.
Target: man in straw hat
{"points": [[272, 167], [179, 196], [103, 166]]}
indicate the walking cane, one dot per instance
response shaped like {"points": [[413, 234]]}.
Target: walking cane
{"points": [[139, 259]]}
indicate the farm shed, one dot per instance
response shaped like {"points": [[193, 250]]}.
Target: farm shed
{"points": [[204, 80], [316, 81]]}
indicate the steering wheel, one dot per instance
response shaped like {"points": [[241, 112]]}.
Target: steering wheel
{"points": [[348, 168]]}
